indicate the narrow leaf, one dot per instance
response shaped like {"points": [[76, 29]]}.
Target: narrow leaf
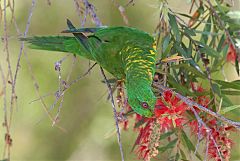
{"points": [[174, 26], [167, 134], [207, 29], [229, 108], [188, 142], [228, 92], [170, 145], [225, 85]]}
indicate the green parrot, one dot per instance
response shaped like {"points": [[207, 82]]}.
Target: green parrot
{"points": [[127, 53]]}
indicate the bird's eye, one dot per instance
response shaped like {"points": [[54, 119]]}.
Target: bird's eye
{"points": [[144, 105]]}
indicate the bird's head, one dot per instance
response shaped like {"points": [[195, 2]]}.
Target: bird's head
{"points": [[142, 100]]}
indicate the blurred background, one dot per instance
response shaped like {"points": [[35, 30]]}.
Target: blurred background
{"points": [[86, 114]]}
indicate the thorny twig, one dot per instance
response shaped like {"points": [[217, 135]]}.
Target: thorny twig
{"points": [[115, 113]]}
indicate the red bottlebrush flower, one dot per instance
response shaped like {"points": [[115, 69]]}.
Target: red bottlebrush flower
{"points": [[219, 133], [169, 110], [148, 140], [168, 115], [224, 144], [202, 100]]}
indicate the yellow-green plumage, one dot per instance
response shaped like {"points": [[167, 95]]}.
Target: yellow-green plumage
{"points": [[127, 53]]}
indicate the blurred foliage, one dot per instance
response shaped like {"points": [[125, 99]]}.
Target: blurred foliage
{"points": [[86, 114]]}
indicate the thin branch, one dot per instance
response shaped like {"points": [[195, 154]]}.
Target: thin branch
{"points": [[79, 11], [67, 86], [9, 73], [122, 11], [91, 10], [82, 76], [5, 108], [38, 93], [59, 94], [6, 41], [114, 112], [36, 85], [13, 98], [63, 83], [198, 138]]}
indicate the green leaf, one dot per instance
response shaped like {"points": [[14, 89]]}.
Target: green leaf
{"points": [[189, 31], [174, 26], [170, 145], [167, 50], [184, 53], [217, 65], [167, 134], [221, 42], [228, 92], [177, 157], [226, 101], [216, 89], [209, 51], [188, 142], [237, 65], [229, 108], [224, 51], [206, 34], [165, 43], [225, 85], [181, 89], [190, 69], [139, 123], [222, 8], [207, 29], [183, 155]]}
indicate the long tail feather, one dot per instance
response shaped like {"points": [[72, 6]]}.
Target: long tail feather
{"points": [[58, 43], [52, 43]]}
